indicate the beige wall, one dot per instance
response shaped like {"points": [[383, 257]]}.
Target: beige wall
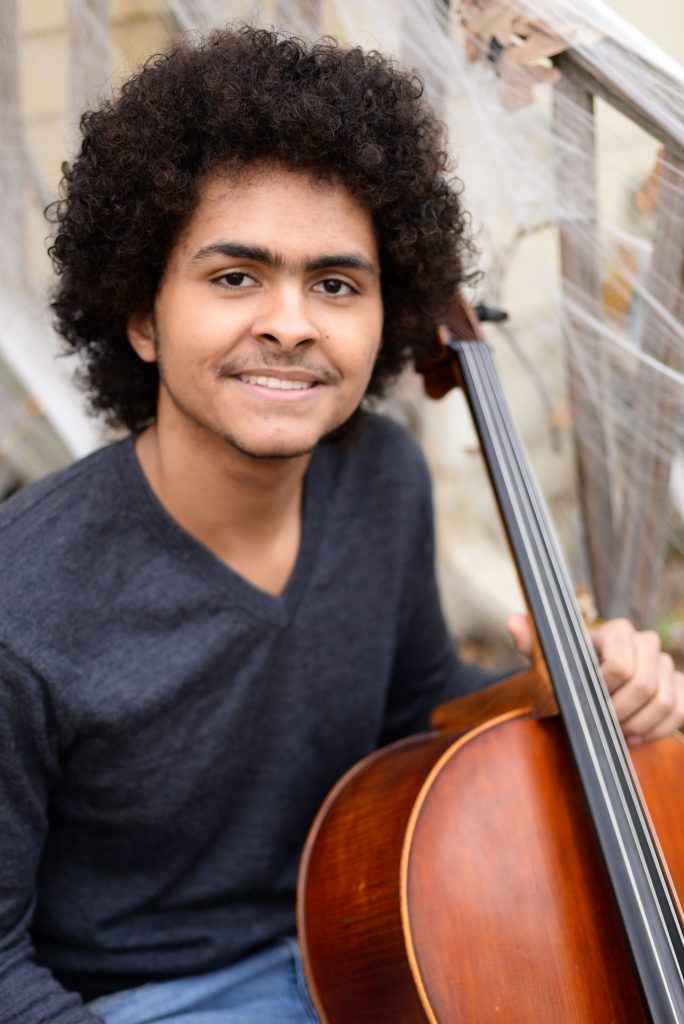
{"points": [[661, 20]]}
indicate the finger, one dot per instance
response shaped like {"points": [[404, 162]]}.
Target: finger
{"points": [[519, 625], [614, 643], [675, 720], [662, 706], [643, 686]]}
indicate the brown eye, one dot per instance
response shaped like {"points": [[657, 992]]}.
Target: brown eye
{"points": [[333, 286], [234, 280]]}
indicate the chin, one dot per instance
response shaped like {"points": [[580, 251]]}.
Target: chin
{"points": [[271, 450]]}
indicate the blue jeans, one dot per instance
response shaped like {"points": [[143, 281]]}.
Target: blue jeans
{"points": [[267, 988]]}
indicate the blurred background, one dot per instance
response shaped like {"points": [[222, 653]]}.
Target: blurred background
{"points": [[566, 126]]}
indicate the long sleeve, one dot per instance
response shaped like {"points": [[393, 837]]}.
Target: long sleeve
{"points": [[28, 767]]}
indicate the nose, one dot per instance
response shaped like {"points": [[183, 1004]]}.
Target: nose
{"points": [[285, 319]]}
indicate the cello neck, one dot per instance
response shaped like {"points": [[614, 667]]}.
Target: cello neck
{"points": [[639, 879]]}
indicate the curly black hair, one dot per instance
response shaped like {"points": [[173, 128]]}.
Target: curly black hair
{"points": [[241, 95]]}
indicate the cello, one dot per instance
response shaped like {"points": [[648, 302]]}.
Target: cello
{"points": [[517, 863]]}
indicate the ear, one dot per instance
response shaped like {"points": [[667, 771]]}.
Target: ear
{"points": [[142, 336]]}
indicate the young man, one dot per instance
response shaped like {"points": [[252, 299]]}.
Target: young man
{"points": [[205, 624]]}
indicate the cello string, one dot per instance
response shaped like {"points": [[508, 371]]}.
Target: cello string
{"points": [[548, 543], [555, 567], [655, 957], [579, 644], [550, 567], [555, 571], [620, 766]]}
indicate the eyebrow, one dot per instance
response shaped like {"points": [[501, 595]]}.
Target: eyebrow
{"points": [[259, 254]]}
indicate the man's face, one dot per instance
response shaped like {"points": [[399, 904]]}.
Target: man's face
{"points": [[268, 319]]}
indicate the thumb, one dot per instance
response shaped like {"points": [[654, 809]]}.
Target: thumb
{"points": [[519, 625]]}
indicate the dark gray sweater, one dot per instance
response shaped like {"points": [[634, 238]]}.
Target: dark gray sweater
{"points": [[167, 730]]}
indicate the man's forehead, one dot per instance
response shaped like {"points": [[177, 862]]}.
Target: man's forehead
{"points": [[291, 215]]}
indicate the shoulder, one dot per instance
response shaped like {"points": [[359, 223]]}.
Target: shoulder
{"points": [[72, 490], [53, 533]]}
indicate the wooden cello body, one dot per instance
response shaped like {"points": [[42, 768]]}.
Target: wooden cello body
{"points": [[447, 880], [508, 866]]}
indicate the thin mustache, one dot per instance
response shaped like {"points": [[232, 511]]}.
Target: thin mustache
{"points": [[234, 367]]}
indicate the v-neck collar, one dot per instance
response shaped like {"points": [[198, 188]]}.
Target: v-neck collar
{"points": [[277, 609]]}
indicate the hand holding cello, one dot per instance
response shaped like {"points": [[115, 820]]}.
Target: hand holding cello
{"points": [[646, 689]]}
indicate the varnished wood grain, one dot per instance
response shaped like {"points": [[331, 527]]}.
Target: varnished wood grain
{"points": [[349, 913], [458, 882], [660, 770], [521, 926], [529, 689]]}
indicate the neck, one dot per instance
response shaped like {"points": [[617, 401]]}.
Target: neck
{"points": [[246, 510]]}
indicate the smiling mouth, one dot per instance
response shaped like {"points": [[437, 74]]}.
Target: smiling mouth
{"points": [[276, 383]]}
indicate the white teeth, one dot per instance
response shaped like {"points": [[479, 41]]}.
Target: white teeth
{"points": [[275, 382]]}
